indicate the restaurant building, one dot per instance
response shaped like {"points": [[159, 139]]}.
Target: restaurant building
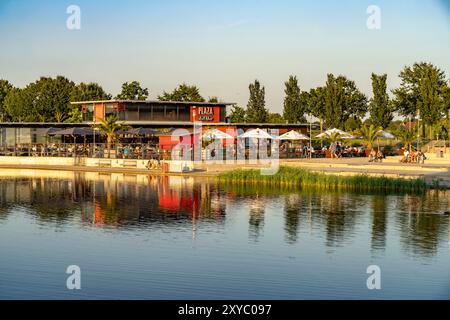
{"points": [[139, 114], [147, 112]]}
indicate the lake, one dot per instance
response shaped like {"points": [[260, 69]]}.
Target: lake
{"points": [[144, 237]]}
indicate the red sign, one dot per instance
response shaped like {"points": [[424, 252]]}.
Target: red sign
{"points": [[206, 114]]}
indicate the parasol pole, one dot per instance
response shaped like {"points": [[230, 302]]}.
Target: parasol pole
{"points": [[93, 149]]}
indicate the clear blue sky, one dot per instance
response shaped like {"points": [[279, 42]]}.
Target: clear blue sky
{"points": [[220, 45]]}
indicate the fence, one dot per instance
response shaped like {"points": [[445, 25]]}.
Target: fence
{"points": [[149, 151]]}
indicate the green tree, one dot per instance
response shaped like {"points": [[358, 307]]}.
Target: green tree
{"points": [[132, 91], [446, 106], [295, 104], [238, 115], [183, 93], [342, 100], [74, 116], [316, 102], [380, 107], [256, 111], [369, 134], [16, 105], [89, 92], [5, 88], [276, 118], [422, 91], [50, 98], [46, 99], [352, 124], [110, 128], [213, 99], [405, 135], [441, 129]]}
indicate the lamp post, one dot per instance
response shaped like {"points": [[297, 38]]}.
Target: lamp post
{"points": [[93, 147], [448, 131], [310, 136], [418, 129], [194, 116]]}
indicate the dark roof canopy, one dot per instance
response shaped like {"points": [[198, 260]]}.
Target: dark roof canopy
{"points": [[74, 132]]}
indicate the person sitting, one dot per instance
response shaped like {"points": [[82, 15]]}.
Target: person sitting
{"points": [[338, 150], [380, 156], [405, 158], [421, 157], [412, 156], [153, 164], [125, 152], [333, 150], [372, 155]]}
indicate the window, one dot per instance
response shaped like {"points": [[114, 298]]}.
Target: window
{"points": [[158, 113], [171, 113], [88, 112], [110, 109], [184, 113], [132, 112], [145, 112]]}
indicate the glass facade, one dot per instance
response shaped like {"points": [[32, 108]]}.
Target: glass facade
{"points": [[143, 112]]}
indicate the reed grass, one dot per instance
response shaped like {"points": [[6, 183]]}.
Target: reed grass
{"points": [[305, 179]]}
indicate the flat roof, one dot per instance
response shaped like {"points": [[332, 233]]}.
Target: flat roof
{"points": [[156, 102], [155, 123]]}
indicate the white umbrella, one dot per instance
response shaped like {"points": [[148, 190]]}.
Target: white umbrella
{"points": [[330, 132], [293, 135], [257, 134], [387, 135], [215, 134]]}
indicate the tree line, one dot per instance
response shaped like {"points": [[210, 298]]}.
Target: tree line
{"points": [[424, 94], [49, 99]]}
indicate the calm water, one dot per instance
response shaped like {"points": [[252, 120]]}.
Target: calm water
{"points": [[138, 237]]}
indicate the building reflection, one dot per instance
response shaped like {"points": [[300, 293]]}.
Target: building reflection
{"points": [[135, 201]]}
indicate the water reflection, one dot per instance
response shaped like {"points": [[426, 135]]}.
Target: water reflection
{"points": [[379, 222], [138, 201], [292, 209], [421, 222]]}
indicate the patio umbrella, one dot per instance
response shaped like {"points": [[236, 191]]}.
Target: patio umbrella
{"points": [[215, 134], [74, 132], [139, 131], [330, 132], [384, 135], [387, 135], [50, 130], [256, 134], [293, 135]]}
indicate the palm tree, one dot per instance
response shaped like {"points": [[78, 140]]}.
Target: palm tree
{"points": [[369, 134], [406, 136], [335, 137], [110, 127]]}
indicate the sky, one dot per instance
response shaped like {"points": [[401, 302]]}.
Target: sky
{"points": [[220, 45]]}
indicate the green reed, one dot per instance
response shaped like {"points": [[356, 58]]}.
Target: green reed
{"points": [[289, 176]]}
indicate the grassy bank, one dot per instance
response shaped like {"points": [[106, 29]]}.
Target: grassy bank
{"points": [[288, 176]]}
